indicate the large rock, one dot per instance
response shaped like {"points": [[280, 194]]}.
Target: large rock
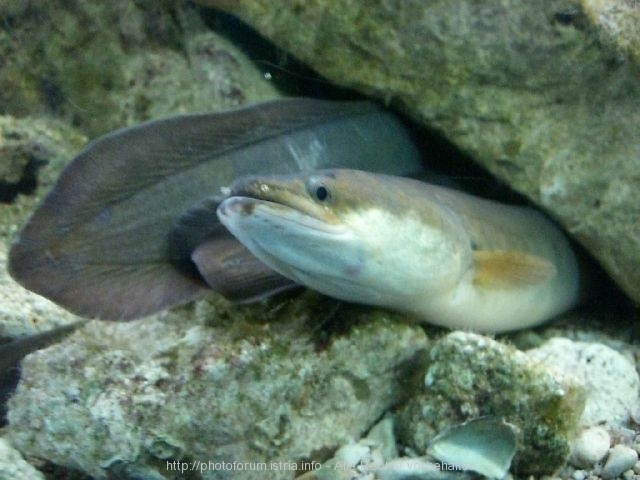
{"points": [[214, 384], [543, 94]]}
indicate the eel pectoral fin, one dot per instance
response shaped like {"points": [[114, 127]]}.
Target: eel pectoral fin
{"points": [[232, 270], [504, 269], [201, 246]]}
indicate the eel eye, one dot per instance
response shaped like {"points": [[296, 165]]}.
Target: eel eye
{"points": [[318, 190], [322, 193]]}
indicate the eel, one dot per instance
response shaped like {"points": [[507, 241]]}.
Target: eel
{"points": [[122, 234], [445, 257]]}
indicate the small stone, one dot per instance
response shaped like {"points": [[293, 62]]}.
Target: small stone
{"points": [[636, 468], [621, 458], [383, 436], [579, 475], [352, 454], [634, 415], [629, 475], [590, 447]]}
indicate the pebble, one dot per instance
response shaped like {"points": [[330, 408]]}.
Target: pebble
{"points": [[579, 475], [621, 458], [590, 447]]}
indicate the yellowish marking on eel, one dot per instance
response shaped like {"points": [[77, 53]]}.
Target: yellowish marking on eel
{"points": [[447, 257]]}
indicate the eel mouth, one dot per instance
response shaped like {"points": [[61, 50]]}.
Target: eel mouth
{"points": [[280, 215], [285, 197]]}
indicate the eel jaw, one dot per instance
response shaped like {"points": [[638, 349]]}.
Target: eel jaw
{"points": [[243, 208], [285, 191], [326, 257]]}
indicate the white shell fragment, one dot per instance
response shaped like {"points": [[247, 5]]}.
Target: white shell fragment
{"points": [[485, 445]]}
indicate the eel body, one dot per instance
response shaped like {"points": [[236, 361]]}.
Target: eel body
{"points": [[447, 257], [125, 231]]}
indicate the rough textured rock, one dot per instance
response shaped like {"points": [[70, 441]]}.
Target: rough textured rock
{"points": [[610, 379], [470, 376], [103, 65], [140, 394], [617, 22], [527, 88], [32, 153]]}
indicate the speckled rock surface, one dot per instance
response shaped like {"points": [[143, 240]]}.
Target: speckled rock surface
{"points": [[210, 385], [527, 88], [470, 376]]}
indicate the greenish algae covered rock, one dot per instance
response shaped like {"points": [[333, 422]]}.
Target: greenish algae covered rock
{"points": [[32, 151], [471, 376], [217, 384], [103, 65], [529, 89]]}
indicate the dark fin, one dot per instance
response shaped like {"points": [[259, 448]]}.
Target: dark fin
{"points": [[194, 227], [15, 350], [98, 245], [230, 269], [510, 269], [199, 241]]}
